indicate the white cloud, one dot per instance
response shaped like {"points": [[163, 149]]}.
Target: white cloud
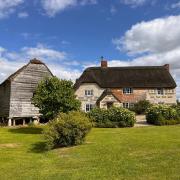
{"points": [[55, 60], [7, 7], [41, 51], [134, 3], [23, 15], [52, 7], [159, 35], [175, 5], [154, 42]]}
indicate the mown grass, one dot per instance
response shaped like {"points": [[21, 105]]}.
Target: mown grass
{"points": [[132, 153]]}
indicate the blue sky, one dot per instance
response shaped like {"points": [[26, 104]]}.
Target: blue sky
{"points": [[69, 35]]}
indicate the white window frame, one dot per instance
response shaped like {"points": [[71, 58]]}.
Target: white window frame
{"points": [[88, 107], [127, 90], [160, 91], [128, 105], [89, 92]]}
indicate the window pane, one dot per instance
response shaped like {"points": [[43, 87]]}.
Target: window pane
{"points": [[89, 107], [126, 105], [127, 90], [88, 92], [160, 91]]}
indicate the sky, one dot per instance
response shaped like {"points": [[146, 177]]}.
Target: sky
{"points": [[71, 35]]}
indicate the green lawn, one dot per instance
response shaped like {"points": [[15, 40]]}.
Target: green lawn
{"points": [[132, 153]]}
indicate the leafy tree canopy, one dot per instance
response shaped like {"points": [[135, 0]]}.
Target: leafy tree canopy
{"points": [[53, 95]]}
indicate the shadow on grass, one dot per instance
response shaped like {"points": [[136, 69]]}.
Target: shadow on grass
{"points": [[39, 147], [27, 130]]}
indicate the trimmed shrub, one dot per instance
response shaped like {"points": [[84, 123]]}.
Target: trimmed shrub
{"points": [[100, 118], [112, 117], [177, 107], [67, 130], [141, 107], [162, 115]]}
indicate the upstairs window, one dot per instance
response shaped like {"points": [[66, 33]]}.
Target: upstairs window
{"points": [[88, 92], [127, 90], [160, 91], [88, 107]]}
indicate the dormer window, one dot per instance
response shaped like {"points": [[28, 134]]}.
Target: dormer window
{"points": [[127, 90], [88, 92], [160, 91]]}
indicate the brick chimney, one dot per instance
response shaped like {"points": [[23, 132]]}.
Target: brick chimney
{"points": [[104, 63], [167, 67]]}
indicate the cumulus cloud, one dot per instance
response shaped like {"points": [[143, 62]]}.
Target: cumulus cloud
{"points": [[153, 42], [159, 35], [57, 61], [7, 7], [52, 7], [41, 51]]}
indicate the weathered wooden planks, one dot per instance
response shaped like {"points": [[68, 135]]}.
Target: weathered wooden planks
{"points": [[16, 94]]}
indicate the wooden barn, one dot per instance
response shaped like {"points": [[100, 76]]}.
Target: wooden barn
{"points": [[17, 91]]}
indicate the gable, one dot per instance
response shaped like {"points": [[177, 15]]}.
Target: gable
{"points": [[35, 67]]}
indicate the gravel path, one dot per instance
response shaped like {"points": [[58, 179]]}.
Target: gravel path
{"points": [[141, 121]]}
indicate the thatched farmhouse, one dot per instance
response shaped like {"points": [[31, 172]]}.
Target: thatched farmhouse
{"points": [[124, 86], [17, 91]]}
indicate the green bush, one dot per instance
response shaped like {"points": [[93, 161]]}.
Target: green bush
{"points": [[112, 117], [177, 107], [141, 107], [67, 130], [53, 96], [162, 115]]}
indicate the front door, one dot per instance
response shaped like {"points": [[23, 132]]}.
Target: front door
{"points": [[109, 105]]}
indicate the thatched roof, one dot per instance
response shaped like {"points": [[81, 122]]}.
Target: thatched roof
{"points": [[119, 77], [32, 61]]}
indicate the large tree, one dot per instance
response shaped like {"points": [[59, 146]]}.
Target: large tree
{"points": [[53, 95]]}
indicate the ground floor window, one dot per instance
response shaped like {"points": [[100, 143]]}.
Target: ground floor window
{"points": [[128, 105], [88, 107]]}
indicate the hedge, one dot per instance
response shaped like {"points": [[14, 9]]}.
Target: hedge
{"points": [[163, 115], [112, 117]]}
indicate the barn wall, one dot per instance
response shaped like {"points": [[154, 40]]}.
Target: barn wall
{"points": [[22, 89], [4, 99]]}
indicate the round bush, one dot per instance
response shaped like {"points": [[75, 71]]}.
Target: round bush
{"points": [[100, 118], [141, 107], [67, 130], [162, 115], [121, 116], [112, 117]]}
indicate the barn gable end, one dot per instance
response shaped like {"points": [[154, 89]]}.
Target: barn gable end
{"points": [[22, 85]]}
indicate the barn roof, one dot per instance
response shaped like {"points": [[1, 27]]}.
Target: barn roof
{"points": [[32, 61], [137, 77]]}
